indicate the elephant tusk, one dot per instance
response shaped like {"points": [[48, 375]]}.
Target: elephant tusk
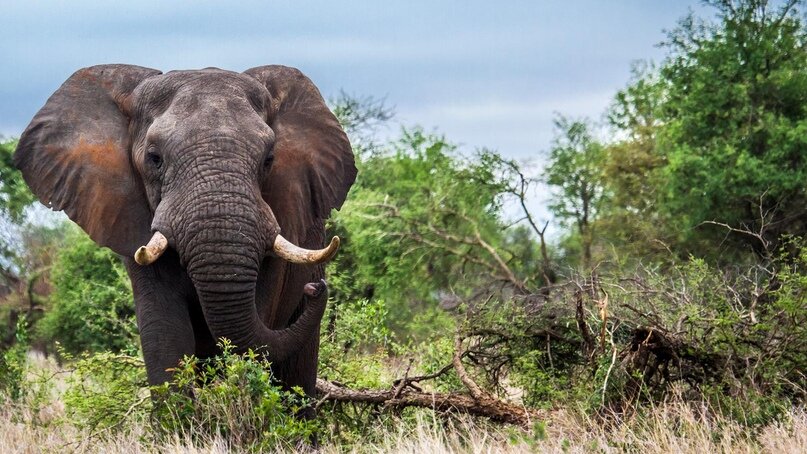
{"points": [[295, 254], [148, 254]]}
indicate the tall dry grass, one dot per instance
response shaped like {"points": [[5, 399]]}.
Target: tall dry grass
{"points": [[672, 427]]}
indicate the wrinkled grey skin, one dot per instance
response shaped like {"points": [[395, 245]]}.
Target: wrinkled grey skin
{"points": [[220, 163]]}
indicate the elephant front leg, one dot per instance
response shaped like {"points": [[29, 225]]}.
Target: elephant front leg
{"points": [[163, 319]]}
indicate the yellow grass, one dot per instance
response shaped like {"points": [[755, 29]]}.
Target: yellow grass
{"points": [[674, 427], [655, 434]]}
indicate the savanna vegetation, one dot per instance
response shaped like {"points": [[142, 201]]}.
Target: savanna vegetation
{"points": [[668, 314]]}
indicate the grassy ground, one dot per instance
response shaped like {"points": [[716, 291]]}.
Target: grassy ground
{"points": [[672, 427], [667, 430]]}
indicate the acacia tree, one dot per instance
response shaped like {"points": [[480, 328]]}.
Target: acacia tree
{"points": [[361, 117], [574, 173], [424, 226]]}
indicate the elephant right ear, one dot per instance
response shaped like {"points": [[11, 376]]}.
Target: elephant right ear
{"points": [[75, 156]]}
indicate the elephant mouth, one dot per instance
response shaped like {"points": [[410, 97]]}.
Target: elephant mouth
{"points": [[283, 248]]}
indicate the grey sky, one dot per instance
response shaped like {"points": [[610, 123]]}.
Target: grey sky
{"points": [[485, 73]]}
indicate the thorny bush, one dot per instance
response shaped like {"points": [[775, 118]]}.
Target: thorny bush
{"points": [[735, 337]]}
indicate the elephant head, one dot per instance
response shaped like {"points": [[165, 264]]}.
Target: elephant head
{"points": [[214, 164]]}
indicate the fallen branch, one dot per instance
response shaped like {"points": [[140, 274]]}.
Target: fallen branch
{"points": [[494, 409], [405, 394]]}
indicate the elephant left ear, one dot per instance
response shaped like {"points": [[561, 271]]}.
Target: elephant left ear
{"points": [[313, 163], [75, 156]]}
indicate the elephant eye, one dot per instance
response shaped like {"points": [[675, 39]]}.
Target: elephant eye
{"points": [[155, 158], [267, 162]]}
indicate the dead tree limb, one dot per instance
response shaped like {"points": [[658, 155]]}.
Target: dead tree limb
{"points": [[405, 394], [580, 316], [494, 409]]}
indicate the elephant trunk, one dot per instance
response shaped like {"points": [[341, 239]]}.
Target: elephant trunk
{"points": [[222, 259]]}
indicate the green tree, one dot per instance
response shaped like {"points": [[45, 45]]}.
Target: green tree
{"points": [[424, 226], [574, 173], [15, 196], [629, 218], [26, 250], [361, 117], [734, 131]]}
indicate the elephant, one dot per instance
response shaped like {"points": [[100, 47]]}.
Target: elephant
{"points": [[191, 176]]}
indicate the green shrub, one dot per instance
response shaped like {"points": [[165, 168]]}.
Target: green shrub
{"points": [[92, 307], [435, 354], [13, 364], [105, 390], [233, 397], [355, 342]]}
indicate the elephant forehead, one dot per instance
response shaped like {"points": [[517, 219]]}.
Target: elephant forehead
{"points": [[198, 117], [203, 81], [203, 100]]}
